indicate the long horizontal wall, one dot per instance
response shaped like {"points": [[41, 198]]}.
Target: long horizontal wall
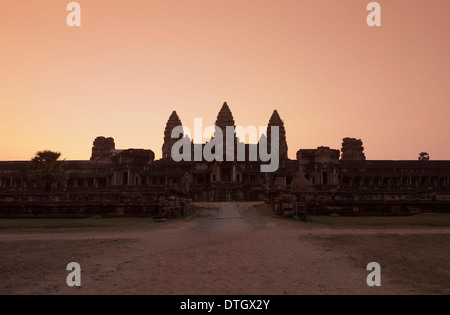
{"points": [[83, 204], [357, 203]]}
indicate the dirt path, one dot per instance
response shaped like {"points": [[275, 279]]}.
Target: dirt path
{"points": [[229, 249]]}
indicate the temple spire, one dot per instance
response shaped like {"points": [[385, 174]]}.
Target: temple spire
{"points": [[225, 117], [173, 122], [275, 120]]}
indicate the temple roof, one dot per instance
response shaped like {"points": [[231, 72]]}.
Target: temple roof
{"points": [[393, 164], [225, 117], [275, 119], [174, 120]]}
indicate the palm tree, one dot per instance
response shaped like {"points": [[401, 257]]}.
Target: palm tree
{"points": [[45, 169], [424, 156]]}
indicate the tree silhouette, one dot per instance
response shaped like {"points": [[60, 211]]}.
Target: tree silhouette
{"points": [[424, 156], [45, 169]]}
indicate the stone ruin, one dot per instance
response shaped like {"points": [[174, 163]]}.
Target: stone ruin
{"points": [[102, 149], [352, 150], [131, 182]]}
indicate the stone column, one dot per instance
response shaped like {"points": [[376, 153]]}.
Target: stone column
{"points": [[233, 174]]}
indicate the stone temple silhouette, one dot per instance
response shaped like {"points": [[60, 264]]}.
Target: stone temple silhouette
{"points": [[334, 181]]}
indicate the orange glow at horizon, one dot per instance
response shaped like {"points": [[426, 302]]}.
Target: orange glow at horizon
{"points": [[131, 63]]}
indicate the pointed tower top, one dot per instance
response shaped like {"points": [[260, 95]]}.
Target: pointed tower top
{"points": [[275, 119], [225, 117], [174, 119], [225, 110]]}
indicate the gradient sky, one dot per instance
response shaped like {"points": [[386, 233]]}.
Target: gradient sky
{"points": [[132, 62]]}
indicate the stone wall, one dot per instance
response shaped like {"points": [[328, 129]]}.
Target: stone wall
{"points": [[88, 203], [283, 201]]}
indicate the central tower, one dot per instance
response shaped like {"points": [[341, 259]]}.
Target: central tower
{"points": [[224, 119]]}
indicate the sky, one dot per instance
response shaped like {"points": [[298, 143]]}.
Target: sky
{"points": [[131, 63]]}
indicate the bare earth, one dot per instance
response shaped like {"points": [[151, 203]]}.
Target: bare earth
{"points": [[224, 248]]}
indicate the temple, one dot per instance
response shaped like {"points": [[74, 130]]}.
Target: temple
{"points": [[336, 177]]}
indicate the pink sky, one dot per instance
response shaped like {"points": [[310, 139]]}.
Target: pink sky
{"points": [[132, 62]]}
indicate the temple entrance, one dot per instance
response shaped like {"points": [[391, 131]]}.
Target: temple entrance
{"points": [[226, 174], [224, 194]]}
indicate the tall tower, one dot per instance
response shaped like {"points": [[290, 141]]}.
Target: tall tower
{"points": [[275, 120], [173, 122], [224, 119]]}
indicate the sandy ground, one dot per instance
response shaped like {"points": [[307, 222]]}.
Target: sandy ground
{"points": [[227, 248]]}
